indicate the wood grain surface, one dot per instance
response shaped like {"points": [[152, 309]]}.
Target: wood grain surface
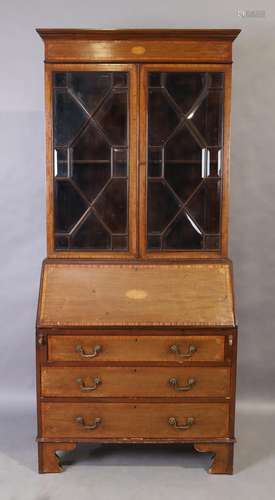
{"points": [[183, 294], [134, 420], [134, 348], [153, 45], [134, 382], [136, 306]]}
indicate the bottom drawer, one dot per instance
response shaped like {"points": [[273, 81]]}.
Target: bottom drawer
{"points": [[142, 420], [134, 381]]}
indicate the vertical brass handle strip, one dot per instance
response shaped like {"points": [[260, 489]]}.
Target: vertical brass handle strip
{"points": [[189, 422], [79, 348], [188, 354], [88, 427], [189, 385], [83, 387]]}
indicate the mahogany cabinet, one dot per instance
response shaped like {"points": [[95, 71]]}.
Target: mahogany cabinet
{"points": [[136, 327]]}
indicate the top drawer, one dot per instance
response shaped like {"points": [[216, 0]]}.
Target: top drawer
{"points": [[135, 348]]}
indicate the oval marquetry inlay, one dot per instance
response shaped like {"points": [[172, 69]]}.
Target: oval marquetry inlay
{"points": [[136, 294], [138, 50]]}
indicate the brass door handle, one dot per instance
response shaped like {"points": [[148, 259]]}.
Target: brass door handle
{"points": [[188, 354], [88, 427], [189, 422], [83, 387], [83, 354], [190, 383]]}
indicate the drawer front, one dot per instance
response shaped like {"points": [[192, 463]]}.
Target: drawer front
{"points": [[143, 420], [139, 348], [134, 382]]}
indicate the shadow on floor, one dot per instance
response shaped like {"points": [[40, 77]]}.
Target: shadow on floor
{"points": [[137, 455]]}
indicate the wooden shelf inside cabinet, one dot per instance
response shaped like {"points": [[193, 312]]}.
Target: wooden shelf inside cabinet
{"points": [[137, 281]]}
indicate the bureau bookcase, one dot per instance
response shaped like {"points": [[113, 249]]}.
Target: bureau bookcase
{"points": [[136, 327]]}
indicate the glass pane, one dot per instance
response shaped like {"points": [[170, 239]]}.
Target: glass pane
{"points": [[154, 79], [183, 169], [69, 117], [91, 145], [216, 80], [208, 118], [91, 235], [162, 206], [61, 242], [112, 206], [215, 162], [185, 88], [91, 177], [120, 79], [161, 116], [112, 117], [183, 233], [69, 206], [205, 207], [89, 91], [119, 242], [212, 242], [155, 162], [61, 162], [185, 136], [154, 242], [91, 137], [60, 79], [120, 162]]}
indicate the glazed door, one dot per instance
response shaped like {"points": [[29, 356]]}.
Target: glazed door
{"points": [[184, 154], [93, 166], [91, 144]]}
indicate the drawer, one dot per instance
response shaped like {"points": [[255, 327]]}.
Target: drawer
{"points": [[134, 382], [136, 348], [141, 420]]}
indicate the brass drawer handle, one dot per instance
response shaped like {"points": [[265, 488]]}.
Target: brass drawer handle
{"points": [[190, 351], [190, 383], [82, 353], [83, 387], [189, 422], [88, 427]]}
